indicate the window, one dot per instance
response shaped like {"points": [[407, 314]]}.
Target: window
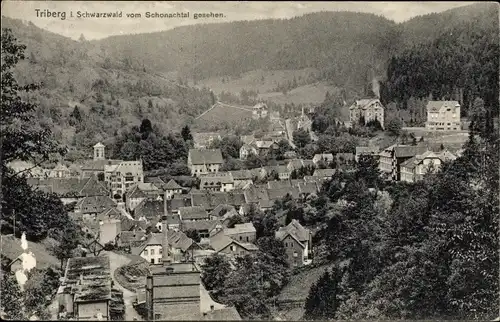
{"points": [[146, 252], [152, 251], [241, 237], [160, 251], [152, 260], [247, 238], [157, 316], [295, 254], [286, 244], [232, 248]]}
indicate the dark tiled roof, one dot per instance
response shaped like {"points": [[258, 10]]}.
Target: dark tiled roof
{"points": [[75, 186], [172, 185], [210, 200], [435, 106], [278, 184], [221, 210], [98, 165], [149, 209], [324, 173], [206, 156], [193, 213], [282, 192], [408, 151], [241, 174], [95, 204], [200, 225], [296, 229], [95, 274]]}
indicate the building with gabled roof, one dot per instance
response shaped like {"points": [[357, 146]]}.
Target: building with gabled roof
{"points": [[92, 206], [443, 116], [70, 189], [193, 213], [149, 209], [369, 109], [324, 173], [203, 161], [225, 245], [297, 241], [243, 233], [415, 168], [86, 288], [172, 188], [223, 182]]}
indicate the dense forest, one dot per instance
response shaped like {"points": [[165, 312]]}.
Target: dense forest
{"points": [[460, 64]]}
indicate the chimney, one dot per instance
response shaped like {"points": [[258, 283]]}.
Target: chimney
{"points": [[164, 226]]}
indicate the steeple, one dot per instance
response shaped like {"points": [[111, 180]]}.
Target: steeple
{"points": [[164, 229]]}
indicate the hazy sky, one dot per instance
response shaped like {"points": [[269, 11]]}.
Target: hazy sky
{"points": [[96, 28]]}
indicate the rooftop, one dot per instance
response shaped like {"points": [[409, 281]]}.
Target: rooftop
{"points": [[205, 156], [91, 278], [240, 229]]}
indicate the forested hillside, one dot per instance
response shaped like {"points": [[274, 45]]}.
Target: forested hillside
{"points": [[93, 90], [86, 98], [460, 63], [344, 44]]}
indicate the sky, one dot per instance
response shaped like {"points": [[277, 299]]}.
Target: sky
{"points": [[98, 28]]}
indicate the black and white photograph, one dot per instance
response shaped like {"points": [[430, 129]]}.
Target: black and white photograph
{"points": [[249, 160]]}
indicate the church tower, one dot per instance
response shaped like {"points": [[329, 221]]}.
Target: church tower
{"points": [[99, 151]]}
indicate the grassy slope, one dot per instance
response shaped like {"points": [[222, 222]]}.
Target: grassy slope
{"points": [[11, 248]]}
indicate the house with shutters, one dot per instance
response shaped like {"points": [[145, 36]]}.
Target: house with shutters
{"points": [[298, 243], [204, 161], [221, 182]]}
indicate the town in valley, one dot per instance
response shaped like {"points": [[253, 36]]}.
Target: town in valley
{"points": [[330, 165]]}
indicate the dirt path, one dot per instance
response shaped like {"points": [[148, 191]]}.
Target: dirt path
{"points": [[118, 260]]}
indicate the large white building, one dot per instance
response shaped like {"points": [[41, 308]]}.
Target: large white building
{"points": [[443, 116]]}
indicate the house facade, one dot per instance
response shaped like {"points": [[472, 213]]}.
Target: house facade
{"points": [[415, 168], [206, 161], [172, 188], [246, 150], [443, 116], [124, 175], [298, 243], [370, 109], [244, 233]]}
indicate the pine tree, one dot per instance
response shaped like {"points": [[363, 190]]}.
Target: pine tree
{"points": [[322, 302], [186, 133]]}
